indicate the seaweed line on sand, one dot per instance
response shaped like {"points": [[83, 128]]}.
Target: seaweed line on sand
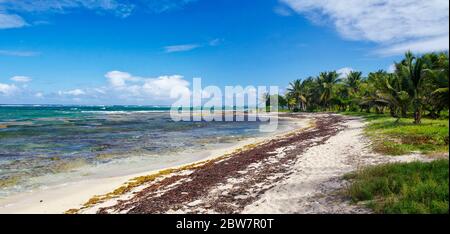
{"points": [[172, 172]]}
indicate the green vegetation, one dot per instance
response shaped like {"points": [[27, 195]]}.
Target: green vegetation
{"points": [[407, 188], [418, 87], [396, 137], [407, 111]]}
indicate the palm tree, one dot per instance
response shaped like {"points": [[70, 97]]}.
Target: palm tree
{"points": [[373, 93], [437, 84], [327, 80], [353, 80], [297, 91], [395, 95], [413, 68]]}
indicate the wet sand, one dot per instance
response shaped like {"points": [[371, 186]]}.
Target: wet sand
{"points": [[223, 185], [60, 198], [297, 173]]}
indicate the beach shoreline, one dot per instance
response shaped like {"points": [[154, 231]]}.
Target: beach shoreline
{"points": [[61, 198], [297, 173]]}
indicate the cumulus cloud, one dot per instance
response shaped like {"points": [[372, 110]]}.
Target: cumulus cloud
{"points": [[141, 87], [162, 86], [343, 72], [21, 79], [6, 89], [123, 86], [118, 79], [396, 25]]}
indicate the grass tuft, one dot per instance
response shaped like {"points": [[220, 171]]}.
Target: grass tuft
{"points": [[396, 137], [403, 188]]}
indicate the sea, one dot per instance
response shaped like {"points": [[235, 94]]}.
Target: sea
{"points": [[46, 145]]}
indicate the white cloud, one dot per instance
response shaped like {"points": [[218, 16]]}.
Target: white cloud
{"points": [[21, 79], [343, 72], [61, 6], [118, 78], [396, 25], [11, 11], [18, 53], [419, 46], [11, 21], [120, 87], [189, 47], [180, 48], [162, 86], [126, 85], [391, 68], [74, 92], [6, 89]]}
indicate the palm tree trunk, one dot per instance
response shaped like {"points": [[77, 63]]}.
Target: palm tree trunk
{"points": [[404, 110], [417, 110]]}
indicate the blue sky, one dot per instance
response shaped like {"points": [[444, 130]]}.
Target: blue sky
{"points": [[134, 52]]}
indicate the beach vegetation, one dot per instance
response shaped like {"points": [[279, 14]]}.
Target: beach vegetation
{"points": [[402, 188], [416, 87], [392, 136]]}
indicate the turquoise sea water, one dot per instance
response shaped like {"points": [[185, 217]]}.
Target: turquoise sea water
{"points": [[37, 141]]}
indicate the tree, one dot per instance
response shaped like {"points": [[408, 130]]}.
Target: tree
{"points": [[419, 85], [327, 80], [353, 80], [297, 91], [413, 68], [353, 84], [436, 84]]}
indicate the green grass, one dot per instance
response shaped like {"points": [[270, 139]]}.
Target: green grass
{"points": [[403, 137], [403, 188]]}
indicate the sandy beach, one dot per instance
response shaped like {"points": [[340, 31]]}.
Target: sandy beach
{"points": [[61, 198], [300, 172], [296, 171]]}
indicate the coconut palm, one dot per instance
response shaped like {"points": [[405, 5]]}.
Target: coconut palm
{"points": [[327, 80], [353, 80], [297, 91], [414, 68]]}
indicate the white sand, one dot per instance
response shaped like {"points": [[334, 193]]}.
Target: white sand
{"points": [[309, 187], [60, 198], [318, 173]]}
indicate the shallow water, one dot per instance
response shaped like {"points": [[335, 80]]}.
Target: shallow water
{"points": [[43, 145]]}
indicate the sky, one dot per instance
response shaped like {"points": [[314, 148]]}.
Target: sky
{"points": [[107, 52]]}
